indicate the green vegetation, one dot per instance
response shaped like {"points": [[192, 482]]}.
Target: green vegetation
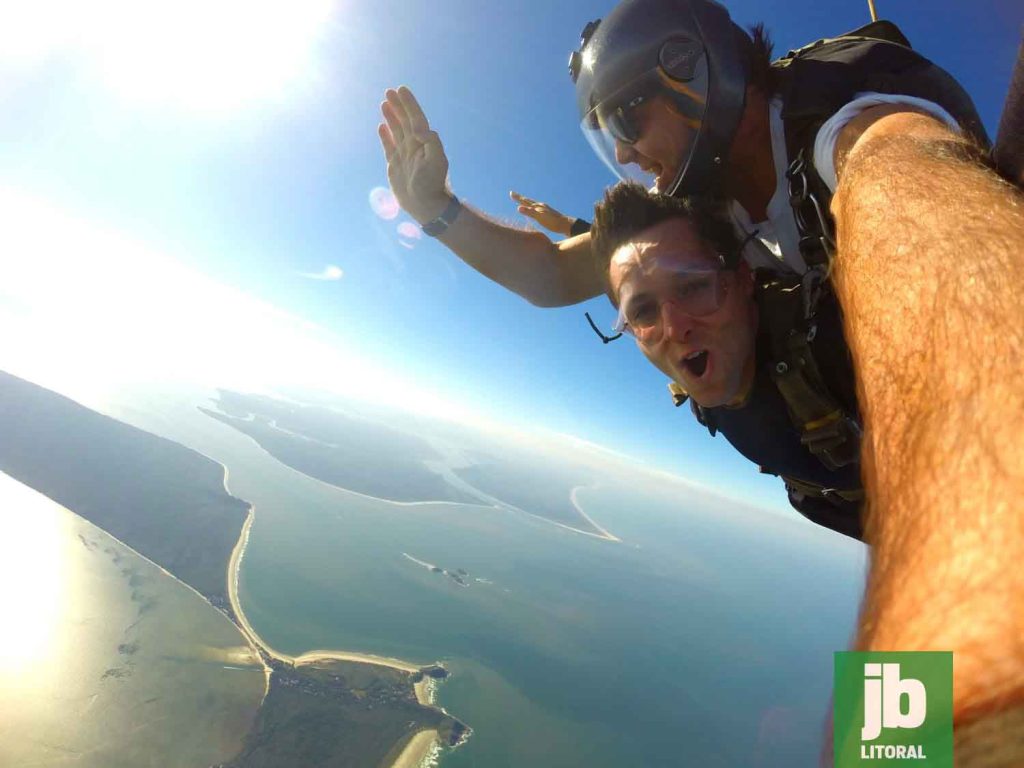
{"points": [[337, 713], [161, 499], [345, 451]]}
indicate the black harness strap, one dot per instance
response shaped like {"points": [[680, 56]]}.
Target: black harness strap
{"points": [[808, 195], [816, 80], [825, 428]]}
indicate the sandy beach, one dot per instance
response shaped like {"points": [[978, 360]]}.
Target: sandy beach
{"points": [[602, 532], [417, 750], [366, 658]]}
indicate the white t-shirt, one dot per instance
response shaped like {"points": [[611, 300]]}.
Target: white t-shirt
{"points": [[776, 245]]}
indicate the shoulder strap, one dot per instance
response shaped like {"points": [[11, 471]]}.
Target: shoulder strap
{"points": [[816, 80], [825, 428], [680, 396], [787, 306]]}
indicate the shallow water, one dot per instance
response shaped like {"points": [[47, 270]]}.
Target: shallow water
{"points": [[105, 660]]}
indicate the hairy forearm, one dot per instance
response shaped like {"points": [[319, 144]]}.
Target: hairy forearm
{"points": [[525, 261], [929, 271]]}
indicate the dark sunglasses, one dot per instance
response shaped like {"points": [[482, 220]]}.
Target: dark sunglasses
{"points": [[620, 121]]}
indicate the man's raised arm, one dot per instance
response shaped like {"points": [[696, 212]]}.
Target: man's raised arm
{"points": [[524, 261], [929, 271]]}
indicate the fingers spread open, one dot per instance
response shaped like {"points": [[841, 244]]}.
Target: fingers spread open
{"points": [[398, 105]]}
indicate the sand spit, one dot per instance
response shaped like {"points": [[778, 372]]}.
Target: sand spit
{"points": [[602, 532], [422, 747]]}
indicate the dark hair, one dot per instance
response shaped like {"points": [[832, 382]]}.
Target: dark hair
{"points": [[757, 51], [628, 209]]}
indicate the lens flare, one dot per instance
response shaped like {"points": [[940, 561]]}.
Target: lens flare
{"points": [[409, 231], [383, 203], [408, 234]]}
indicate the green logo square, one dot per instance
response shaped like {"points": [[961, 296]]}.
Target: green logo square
{"points": [[893, 709]]}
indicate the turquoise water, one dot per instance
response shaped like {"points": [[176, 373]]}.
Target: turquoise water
{"points": [[703, 638]]}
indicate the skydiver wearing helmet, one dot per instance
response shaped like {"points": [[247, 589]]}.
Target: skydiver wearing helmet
{"points": [[920, 241], [674, 90]]}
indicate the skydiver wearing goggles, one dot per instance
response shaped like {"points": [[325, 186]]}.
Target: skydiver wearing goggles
{"points": [[696, 310]]}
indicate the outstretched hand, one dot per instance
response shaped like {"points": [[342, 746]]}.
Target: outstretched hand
{"points": [[544, 214], [417, 164]]}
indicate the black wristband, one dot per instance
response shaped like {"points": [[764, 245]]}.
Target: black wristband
{"points": [[579, 227], [437, 226]]}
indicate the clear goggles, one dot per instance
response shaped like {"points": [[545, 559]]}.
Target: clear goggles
{"points": [[615, 122], [696, 292]]}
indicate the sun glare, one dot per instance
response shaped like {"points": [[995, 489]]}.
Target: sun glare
{"points": [[210, 56], [96, 310], [32, 570]]}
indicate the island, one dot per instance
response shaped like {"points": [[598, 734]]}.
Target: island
{"points": [[458, 576], [346, 451], [367, 456]]}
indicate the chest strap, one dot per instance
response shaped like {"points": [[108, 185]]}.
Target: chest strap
{"points": [[820, 492], [788, 309], [826, 430]]}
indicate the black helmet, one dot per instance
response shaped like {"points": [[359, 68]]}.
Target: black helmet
{"points": [[686, 50]]}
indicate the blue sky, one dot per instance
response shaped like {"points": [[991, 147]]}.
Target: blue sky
{"points": [[245, 145]]}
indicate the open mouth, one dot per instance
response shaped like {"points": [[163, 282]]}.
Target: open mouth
{"points": [[696, 363]]}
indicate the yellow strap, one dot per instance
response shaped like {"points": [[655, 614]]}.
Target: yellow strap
{"points": [[828, 419], [678, 393]]}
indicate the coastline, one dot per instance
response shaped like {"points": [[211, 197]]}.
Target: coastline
{"points": [[604, 533], [495, 504], [335, 655], [423, 743], [234, 566], [234, 563], [303, 475]]}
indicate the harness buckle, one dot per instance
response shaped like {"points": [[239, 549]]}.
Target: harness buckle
{"points": [[813, 286], [836, 442]]}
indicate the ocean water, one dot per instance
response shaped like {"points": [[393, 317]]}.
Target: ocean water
{"points": [[704, 637]]}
